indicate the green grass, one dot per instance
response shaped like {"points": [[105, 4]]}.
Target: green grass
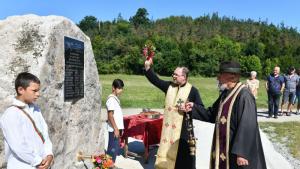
{"points": [[262, 101], [140, 93], [286, 133]]}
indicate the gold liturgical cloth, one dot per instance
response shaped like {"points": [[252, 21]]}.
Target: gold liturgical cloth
{"points": [[171, 129]]}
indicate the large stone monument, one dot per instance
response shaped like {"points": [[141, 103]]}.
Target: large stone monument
{"points": [[60, 54]]}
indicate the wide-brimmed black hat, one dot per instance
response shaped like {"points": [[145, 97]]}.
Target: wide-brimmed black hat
{"points": [[230, 67]]}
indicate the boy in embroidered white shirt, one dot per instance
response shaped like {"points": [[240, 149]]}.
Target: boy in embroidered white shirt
{"points": [[27, 143], [115, 118]]}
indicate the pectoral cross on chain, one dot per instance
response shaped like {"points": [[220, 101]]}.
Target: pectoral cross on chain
{"points": [[179, 103]]}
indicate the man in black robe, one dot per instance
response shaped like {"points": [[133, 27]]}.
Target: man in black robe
{"points": [[236, 142], [183, 159]]}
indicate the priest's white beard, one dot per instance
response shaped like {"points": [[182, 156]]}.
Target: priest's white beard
{"points": [[222, 87]]}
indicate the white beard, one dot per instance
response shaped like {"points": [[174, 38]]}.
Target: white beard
{"points": [[222, 87]]}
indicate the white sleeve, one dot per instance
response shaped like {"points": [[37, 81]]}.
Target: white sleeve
{"points": [[110, 104], [48, 143], [14, 134]]}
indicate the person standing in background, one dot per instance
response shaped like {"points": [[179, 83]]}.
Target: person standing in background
{"points": [[253, 84], [298, 92], [115, 119], [274, 87], [289, 95]]}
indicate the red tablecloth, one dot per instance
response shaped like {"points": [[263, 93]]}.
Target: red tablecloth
{"points": [[142, 128]]}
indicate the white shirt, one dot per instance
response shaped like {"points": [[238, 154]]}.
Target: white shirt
{"points": [[113, 104], [24, 148]]}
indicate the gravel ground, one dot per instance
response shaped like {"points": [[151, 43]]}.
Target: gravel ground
{"points": [[285, 153], [279, 147]]}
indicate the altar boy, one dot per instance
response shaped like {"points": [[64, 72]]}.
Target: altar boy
{"points": [[115, 118], [26, 139]]}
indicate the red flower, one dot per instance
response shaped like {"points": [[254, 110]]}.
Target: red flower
{"points": [[145, 51], [149, 51], [102, 161]]}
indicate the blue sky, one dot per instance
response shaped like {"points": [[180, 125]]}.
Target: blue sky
{"points": [[275, 11]]}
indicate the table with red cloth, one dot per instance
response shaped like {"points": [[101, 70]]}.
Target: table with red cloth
{"points": [[142, 128]]}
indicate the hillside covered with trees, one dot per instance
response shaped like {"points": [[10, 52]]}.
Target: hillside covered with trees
{"points": [[198, 43]]}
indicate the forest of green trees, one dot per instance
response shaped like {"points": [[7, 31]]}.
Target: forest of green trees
{"points": [[197, 43]]}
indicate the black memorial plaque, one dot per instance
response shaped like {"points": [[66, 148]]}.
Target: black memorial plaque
{"points": [[74, 69]]}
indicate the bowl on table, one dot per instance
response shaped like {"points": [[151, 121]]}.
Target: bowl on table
{"points": [[151, 114]]}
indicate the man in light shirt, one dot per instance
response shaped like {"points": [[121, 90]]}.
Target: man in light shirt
{"points": [[26, 139]]}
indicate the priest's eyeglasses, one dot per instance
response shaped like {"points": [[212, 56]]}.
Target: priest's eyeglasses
{"points": [[177, 75]]}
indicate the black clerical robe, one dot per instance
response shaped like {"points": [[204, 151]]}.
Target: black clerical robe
{"points": [[243, 131], [183, 159]]}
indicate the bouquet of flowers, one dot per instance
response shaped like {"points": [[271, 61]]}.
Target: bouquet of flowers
{"points": [[149, 51], [102, 161]]}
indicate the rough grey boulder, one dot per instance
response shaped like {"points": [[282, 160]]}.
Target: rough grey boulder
{"points": [[36, 44]]}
